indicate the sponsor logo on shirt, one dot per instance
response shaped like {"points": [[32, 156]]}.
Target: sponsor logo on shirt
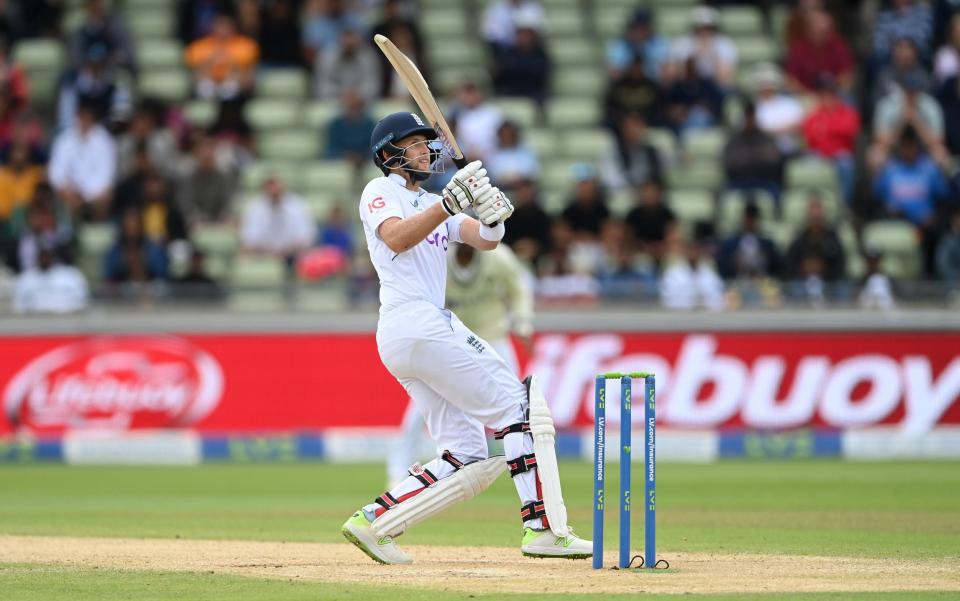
{"points": [[437, 240], [376, 204], [475, 343]]}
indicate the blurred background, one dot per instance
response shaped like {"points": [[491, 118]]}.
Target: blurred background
{"points": [[773, 185]]}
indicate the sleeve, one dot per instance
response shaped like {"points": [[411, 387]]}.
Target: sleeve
{"points": [[453, 227], [520, 295], [377, 205], [101, 180], [249, 227], [306, 231], [58, 163]]}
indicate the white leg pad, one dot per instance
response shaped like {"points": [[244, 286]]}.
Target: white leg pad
{"points": [[463, 484], [544, 435]]}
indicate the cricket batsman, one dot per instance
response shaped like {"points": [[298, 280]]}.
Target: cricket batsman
{"points": [[457, 381]]}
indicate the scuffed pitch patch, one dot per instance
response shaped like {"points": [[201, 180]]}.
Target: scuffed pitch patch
{"points": [[489, 569]]}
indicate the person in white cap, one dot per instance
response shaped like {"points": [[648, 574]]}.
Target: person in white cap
{"points": [[714, 53]]}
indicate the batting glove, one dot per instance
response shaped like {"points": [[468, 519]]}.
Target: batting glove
{"points": [[462, 190], [493, 207]]}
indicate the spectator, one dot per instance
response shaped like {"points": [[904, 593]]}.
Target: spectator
{"points": [[41, 225], [195, 18], [51, 287], [106, 29], [909, 186], [134, 257], [83, 164], [232, 132], [95, 83], [906, 60], [26, 129], [714, 54], [206, 191], [279, 35], [501, 16], [586, 210], [796, 26], [162, 220], [529, 231], [877, 290], [335, 231], [350, 65], [404, 33], [41, 18], [816, 253], [820, 49], [632, 92], [778, 113], [19, 179], [752, 160], [693, 101], [13, 91], [146, 128], [129, 191], [907, 106], [946, 64], [511, 160], [948, 254], [324, 22], [830, 130], [631, 160], [522, 69], [564, 275], [650, 220], [639, 42], [748, 253], [348, 134], [689, 279], [278, 223], [902, 18], [196, 283], [475, 122], [949, 97], [223, 61]]}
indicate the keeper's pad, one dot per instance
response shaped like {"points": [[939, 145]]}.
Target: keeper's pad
{"points": [[465, 483], [543, 431]]}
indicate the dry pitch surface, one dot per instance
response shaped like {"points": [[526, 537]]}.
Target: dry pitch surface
{"points": [[488, 569]]}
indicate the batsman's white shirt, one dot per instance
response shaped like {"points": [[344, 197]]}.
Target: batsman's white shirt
{"points": [[457, 380]]}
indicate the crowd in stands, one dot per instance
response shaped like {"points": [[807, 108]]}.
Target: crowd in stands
{"points": [[871, 89]]}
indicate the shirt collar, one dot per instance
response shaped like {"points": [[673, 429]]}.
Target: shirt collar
{"points": [[398, 179]]}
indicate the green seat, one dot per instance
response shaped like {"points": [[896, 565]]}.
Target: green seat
{"points": [[856, 266], [44, 86], [809, 172], [705, 143], [200, 112], [563, 22], [441, 23], [273, 113], [796, 201], [664, 141], [575, 52], [39, 54], [573, 112], [554, 200], [171, 85], [320, 204], [453, 51], [151, 23], [95, 240], [705, 176], [673, 21], [782, 234], [900, 243], [557, 177], [255, 174], [284, 84], [758, 49], [586, 145], [737, 21], [522, 111], [691, 206], [620, 202], [586, 81], [447, 79], [319, 114], [382, 108], [252, 271], [289, 145], [155, 54], [542, 140], [216, 239], [611, 22], [730, 213], [334, 178]]}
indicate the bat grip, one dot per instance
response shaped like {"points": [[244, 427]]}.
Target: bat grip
{"points": [[460, 162]]}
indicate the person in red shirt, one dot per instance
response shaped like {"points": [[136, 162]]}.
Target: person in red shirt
{"points": [[831, 129], [820, 50]]}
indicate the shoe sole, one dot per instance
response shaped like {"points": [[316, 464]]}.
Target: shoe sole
{"points": [[350, 536], [545, 556]]}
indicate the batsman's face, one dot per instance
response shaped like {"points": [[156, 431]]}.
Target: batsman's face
{"points": [[416, 151]]}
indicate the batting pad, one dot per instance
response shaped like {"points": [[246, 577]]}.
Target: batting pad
{"points": [[463, 484], [544, 434]]}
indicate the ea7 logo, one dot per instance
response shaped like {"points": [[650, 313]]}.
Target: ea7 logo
{"points": [[376, 203]]}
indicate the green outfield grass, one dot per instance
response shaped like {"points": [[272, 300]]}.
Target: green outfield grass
{"points": [[881, 510]]}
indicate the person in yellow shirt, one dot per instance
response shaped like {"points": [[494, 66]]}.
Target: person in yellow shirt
{"points": [[18, 180], [223, 62]]}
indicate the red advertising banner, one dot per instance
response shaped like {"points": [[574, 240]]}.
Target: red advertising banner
{"points": [[262, 383]]}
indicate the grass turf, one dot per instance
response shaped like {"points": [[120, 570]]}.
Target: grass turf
{"points": [[884, 510]]}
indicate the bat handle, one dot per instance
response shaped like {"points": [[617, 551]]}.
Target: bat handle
{"points": [[460, 162]]}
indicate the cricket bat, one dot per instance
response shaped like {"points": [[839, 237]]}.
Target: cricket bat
{"points": [[418, 88]]}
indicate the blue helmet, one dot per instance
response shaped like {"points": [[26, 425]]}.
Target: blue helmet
{"points": [[393, 128]]}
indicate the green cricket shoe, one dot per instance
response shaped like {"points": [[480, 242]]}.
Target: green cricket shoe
{"points": [[544, 543], [381, 549]]}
